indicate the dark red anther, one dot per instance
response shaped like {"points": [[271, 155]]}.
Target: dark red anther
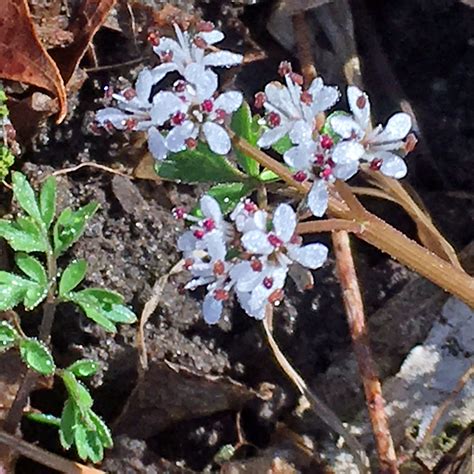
{"points": [[220, 115], [376, 164], [250, 207], [326, 173], [259, 100], [153, 38], [326, 142], [219, 268], [191, 143], [410, 143], [178, 118], [276, 296], [130, 124], [109, 126], [207, 105], [209, 224], [300, 176], [273, 119], [268, 282], [319, 159], [296, 239], [361, 102], [256, 265], [180, 86], [179, 212], [284, 68], [188, 263], [330, 163], [306, 98], [297, 78], [200, 42], [199, 234], [166, 57], [205, 26], [274, 240], [221, 295]]}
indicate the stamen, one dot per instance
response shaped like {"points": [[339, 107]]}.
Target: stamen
{"points": [[275, 240]]}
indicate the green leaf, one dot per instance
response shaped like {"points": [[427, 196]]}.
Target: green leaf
{"points": [[15, 289], [45, 419], [84, 368], [268, 175], [32, 267], [200, 165], [228, 195], [70, 226], [247, 128], [282, 145], [72, 276], [68, 423], [77, 391], [23, 235], [8, 336], [102, 430], [80, 441], [37, 356], [95, 449], [25, 196], [48, 201]]}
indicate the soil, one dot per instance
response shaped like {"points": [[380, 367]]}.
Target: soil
{"points": [[131, 243]]}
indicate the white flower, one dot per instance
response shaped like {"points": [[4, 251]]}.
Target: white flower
{"points": [[373, 145], [293, 111], [247, 216], [187, 55], [204, 118]]}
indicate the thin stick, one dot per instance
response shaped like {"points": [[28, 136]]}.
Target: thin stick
{"points": [[45, 457], [303, 43], [360, 341], [108, 67], [90, 164], [329, 225], [318, 406]]}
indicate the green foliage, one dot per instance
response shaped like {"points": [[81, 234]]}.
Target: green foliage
{"points": [[6, 159], [25, 196], [48, 201], [84, 368], [246, 127], [8, 336], [268, 176], [23, 235], [282, 145], [70, 226], [15, 290], [328, 130], [37, 356], [45, 419], [3, 107], [72, 276], [200, 165], [228, 195]]}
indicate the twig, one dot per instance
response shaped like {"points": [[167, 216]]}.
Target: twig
{"points": [[45, 457], [444, 406], [329, 225], [90, 164], [303, 43], [318, 406], [360, 341], [108, 67]]}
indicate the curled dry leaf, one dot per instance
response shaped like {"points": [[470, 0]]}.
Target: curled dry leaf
{"points": [[23, 58]]}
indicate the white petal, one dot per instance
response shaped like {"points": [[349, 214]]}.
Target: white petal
{"points": [[397, 128], [301, 132], [244, 300], [115, 116], [211, 309], [159, 72], [318, 198], [222, 59], [143, 85], [211, 37], [346, 126], [156, 144], [284, 222], [347, 152], [324, 98], [165, 104], [215, 244], [393, 165], [310, 256], [175, 140], [187, 242], [210, 208], [361, 115], [205, 81], [301, 157], [169, 44], [244, 277], [257, 242], [217, 138], [279, 97], [272, 135], [229, 101], [260, 219], [345, 171]]}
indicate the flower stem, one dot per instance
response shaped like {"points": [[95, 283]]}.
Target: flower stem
{"points": [[378, 233], [360, 341]]}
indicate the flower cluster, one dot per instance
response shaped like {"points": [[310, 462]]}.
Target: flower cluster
{"points": [[251, 256], [175, 119], [327, 149]]}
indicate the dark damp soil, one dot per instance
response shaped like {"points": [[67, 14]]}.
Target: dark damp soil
{"points": [[130, 244]]}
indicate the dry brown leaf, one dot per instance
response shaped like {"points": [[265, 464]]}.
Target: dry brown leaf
{"points": [[146, 169], [22, 57], [90, 17]]}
